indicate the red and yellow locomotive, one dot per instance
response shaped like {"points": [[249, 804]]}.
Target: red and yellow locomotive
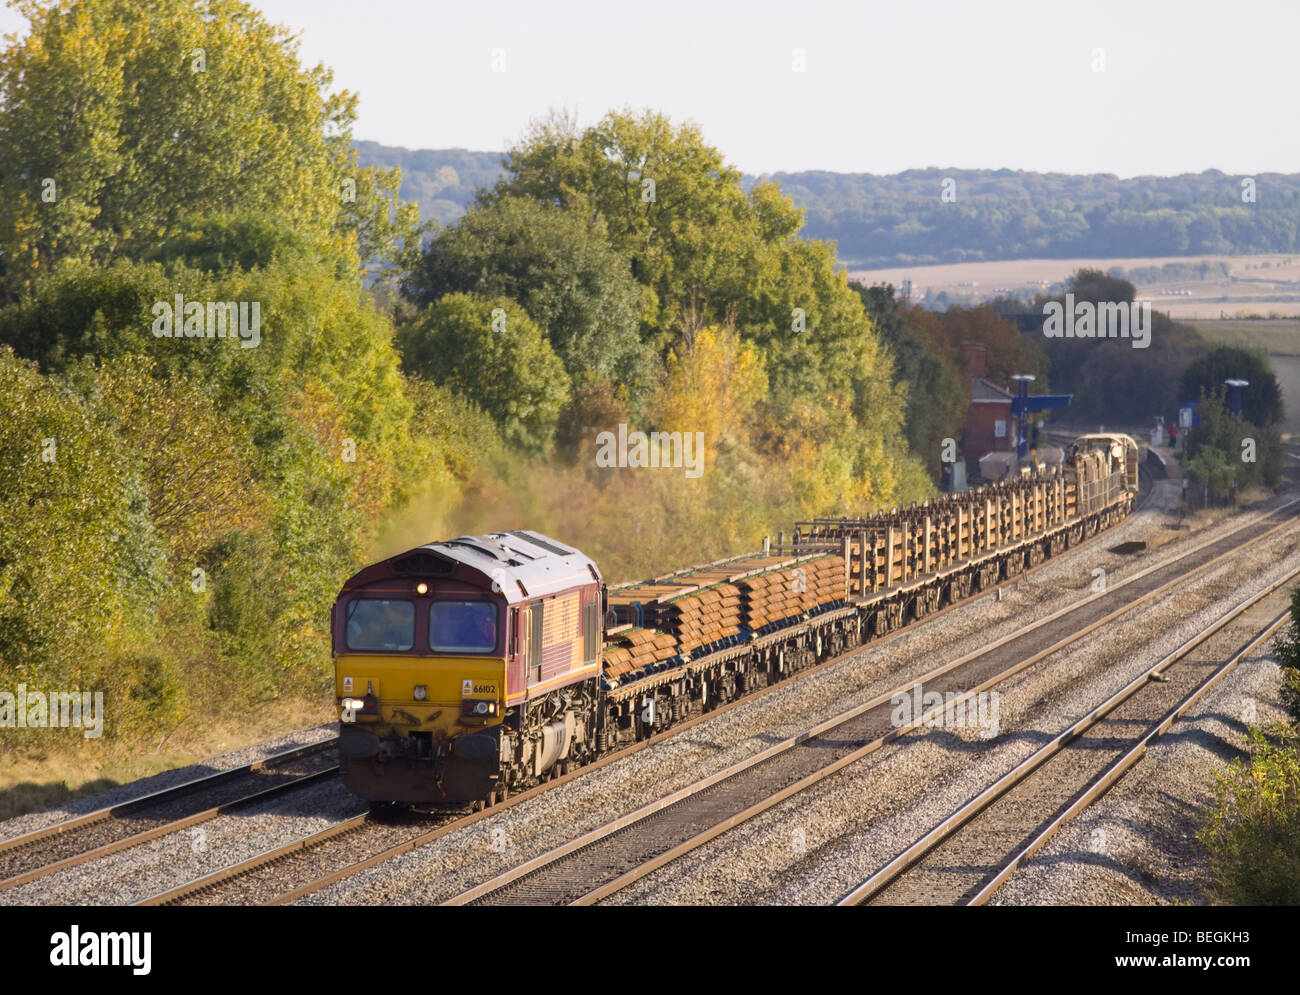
{"points": [[467, 668]]}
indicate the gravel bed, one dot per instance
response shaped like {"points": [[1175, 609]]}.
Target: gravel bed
{"points": [[75, 842], [169, 861], [461, 859]]}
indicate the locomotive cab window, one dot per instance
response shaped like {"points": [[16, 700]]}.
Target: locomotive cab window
{"points": [[380, 625], [462, 626]]}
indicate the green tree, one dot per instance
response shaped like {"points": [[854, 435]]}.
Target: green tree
{"points": [[558, 266], [707, 253], [1261, 402], [197, 465], [937, 393], [317, 410], [1111, 381], [489, 351], [119, 124], [81, 309], [246, 240], [669, 201], [80, 564], [1226, 452], [1253, 829]]}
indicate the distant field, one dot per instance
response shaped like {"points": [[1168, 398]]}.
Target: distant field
{"points": [[1278, 338], [1254, 285]]}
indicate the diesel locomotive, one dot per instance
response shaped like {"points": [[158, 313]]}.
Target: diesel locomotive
{"points": [[470, 668]]}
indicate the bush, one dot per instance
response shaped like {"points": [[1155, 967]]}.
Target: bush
{"points": [[80, 565], [488, 351], [1253, 830], [1287, 648]]}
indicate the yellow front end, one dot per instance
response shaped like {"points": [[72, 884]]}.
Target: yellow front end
{"points": [[420, 729]]}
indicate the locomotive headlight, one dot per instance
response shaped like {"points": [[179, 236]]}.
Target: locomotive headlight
{"points": [[421, 692], [422, 588], [481, 708], [353, 704]]}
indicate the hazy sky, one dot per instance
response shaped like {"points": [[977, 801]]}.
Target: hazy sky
{"points": [[1187, 85]]}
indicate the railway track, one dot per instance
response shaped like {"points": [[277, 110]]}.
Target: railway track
{"points": [[109, 830], [608, 859], [287, 872], [968, 856]]}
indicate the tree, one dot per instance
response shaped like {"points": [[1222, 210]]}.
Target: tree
{"points": [[1096, 286], [79, 560], [1112, 381], [80, 309], [117, 127], [937, 391], [668, 200], [489, 351], [197, 468], [315, 407], [707, 253], [1261, 402], [1225, 451], [558, 266], [244, 240], [713, 386]]}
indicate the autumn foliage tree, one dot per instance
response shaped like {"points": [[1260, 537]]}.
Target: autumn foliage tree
{"points": [[713, 384], [122, 124], [706, 252]]}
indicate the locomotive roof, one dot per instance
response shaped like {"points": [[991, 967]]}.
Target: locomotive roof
{"points": [[524, 564]]}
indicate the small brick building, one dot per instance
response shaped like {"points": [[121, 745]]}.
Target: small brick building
{"points": [[989, 426]]}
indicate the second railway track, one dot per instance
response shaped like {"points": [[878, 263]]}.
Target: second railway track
{"points": [[971, 853]]}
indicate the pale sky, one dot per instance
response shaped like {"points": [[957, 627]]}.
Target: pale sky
{"points": [[1187, 85]]}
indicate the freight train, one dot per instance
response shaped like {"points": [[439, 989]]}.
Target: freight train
{"points": [[486, 664]]}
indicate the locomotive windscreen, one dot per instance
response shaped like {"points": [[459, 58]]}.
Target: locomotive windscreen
{"points": [[462, 626], [380, 625]]}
